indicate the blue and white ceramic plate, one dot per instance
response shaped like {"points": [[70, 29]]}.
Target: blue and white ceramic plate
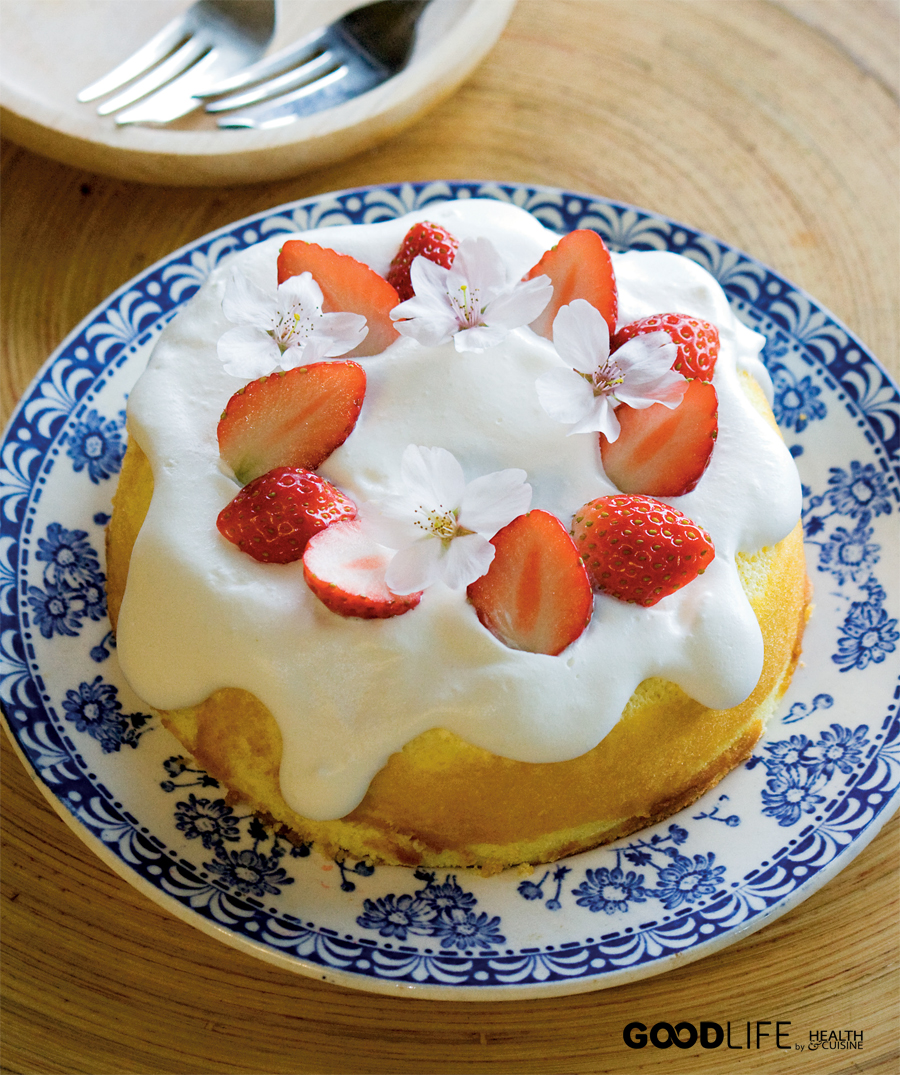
{"points": [[811, 797]]}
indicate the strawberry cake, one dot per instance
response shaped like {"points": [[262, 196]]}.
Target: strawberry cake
{"points": [[452, 541]]}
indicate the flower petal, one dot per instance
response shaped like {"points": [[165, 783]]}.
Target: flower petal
{"points": [[601, 419], [428, 316], [415, 567], [565, 395], [645, 363], [390, 522], [300, 290], [467, 559], [669, 393], [479, 338], [248, 352], [433, 477], [521, 305], [304, 351], [429, 282], [245, 303], [581, 336], [428, 331], [344, 331], [492, 501], [478, 266], [647, 347]]}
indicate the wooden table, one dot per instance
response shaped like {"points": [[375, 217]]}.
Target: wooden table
{"points": [[773, 125]]}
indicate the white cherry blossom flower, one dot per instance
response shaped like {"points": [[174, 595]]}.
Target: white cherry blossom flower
{"points": [[473, 303], [440, 525], [284, 329], [586, 394]]}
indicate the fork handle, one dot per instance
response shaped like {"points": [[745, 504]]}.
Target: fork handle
{"points": [[385, 29]]}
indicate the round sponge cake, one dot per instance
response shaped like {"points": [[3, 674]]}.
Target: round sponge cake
{"points": [[425, 738]]}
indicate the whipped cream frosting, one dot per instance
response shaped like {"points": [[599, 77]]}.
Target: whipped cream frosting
{"points": [[199, 615]]}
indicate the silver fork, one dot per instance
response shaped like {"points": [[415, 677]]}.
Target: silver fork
{"points": [[210, 41], [333, 64]]}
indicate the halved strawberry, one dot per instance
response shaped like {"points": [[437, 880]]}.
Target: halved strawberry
{"points": [[698, 341], [345, 569], [348, 286], [579, 267], [273, 517], [662, 451], [291, 419], [425, 240], [639, 550], [536, 595]]}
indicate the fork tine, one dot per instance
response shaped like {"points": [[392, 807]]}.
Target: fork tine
{"points": [[282, 110], [176, 98], [176, 64], [300, 52], [325, 92], [274, 87], [157, 48]]}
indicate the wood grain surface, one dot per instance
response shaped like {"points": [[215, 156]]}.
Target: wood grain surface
{"points": [[773, 125]]}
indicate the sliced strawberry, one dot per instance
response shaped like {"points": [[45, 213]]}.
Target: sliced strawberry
{"points": [[579, 267], [291, 419], [639, 550], [698, 341], [662, 451], [348, 286], [345, 569], [425, 240], [536, 595], [273, 517]]}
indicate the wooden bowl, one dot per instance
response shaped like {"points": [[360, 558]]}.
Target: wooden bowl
{"points": [[50, 50]]}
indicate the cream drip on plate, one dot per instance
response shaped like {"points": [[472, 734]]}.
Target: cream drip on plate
{"points": [[199, 615]]}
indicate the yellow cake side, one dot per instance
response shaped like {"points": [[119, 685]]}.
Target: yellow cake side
{"points": [[443, 802]]}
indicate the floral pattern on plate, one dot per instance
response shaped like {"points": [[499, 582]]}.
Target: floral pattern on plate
{"points": [[768, 836]]}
